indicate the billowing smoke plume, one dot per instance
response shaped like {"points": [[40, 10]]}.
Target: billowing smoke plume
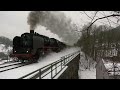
{"points": [[55, 21]]}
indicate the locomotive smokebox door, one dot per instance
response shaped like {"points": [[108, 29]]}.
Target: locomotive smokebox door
{"points": [[32, 31]]}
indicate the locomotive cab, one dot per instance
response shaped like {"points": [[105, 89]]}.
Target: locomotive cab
{"points": [[22, 46]]}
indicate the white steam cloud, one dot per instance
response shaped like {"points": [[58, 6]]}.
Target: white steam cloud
{"points": [[55, 21]]}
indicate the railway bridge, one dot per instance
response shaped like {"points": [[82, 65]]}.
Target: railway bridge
{"points": [[65, 68]]}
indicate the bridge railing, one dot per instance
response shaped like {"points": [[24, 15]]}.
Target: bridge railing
{"points": [[51, 70]]}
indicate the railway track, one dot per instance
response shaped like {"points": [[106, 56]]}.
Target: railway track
{"points": [[8, 65], [12, 66], [7, 62]]}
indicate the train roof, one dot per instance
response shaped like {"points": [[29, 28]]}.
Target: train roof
{"points": [[36, 34]]}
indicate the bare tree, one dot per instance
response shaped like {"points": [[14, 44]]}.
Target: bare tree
{"points": [[90, 42], [113, 15]]}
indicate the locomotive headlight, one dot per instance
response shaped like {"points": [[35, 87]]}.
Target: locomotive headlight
{"points": [[27, 51], [14, 51]]}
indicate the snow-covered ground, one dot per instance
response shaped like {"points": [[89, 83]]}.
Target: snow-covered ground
{"points": [[87, 74], [112, 68], [3, 61], [84, 72], [52, 57]]}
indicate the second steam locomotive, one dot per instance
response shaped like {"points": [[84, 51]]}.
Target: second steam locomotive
{"points": [[30, 46]]}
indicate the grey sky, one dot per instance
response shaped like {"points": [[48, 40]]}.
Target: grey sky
{"points": [[14, 23]]}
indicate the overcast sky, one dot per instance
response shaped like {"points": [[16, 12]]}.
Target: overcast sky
{"points": [[14, 23]]}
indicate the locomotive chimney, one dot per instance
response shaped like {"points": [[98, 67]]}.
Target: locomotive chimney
{"points": [[32, 31]]}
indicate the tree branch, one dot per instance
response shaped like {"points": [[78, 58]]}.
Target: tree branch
{"points": [[113, 15]]}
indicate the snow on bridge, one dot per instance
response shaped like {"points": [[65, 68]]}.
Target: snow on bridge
{"points": [[52, 57]]}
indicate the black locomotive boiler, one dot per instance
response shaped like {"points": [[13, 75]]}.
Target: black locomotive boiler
{"points": [[30, 46]]}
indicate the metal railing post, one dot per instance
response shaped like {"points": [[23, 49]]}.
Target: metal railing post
{"points": [[61, 64], [51, 72], [64, 61], [56, 68], [39, 73]]}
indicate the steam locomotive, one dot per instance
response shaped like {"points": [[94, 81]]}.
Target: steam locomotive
{"points": [[30, 46]]}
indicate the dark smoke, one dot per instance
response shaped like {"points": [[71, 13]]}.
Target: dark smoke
{"points": [[55, 21]]}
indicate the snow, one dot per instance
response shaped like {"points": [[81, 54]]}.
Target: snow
{"points": [[59, 70], [47, 75], [58, 75], [107, 64], [3, 61], [52, 57], [9, 63], [111, 67], [85, 73]]}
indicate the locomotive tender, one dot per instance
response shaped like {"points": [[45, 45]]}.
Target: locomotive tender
{"points": [[30, 46]]}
